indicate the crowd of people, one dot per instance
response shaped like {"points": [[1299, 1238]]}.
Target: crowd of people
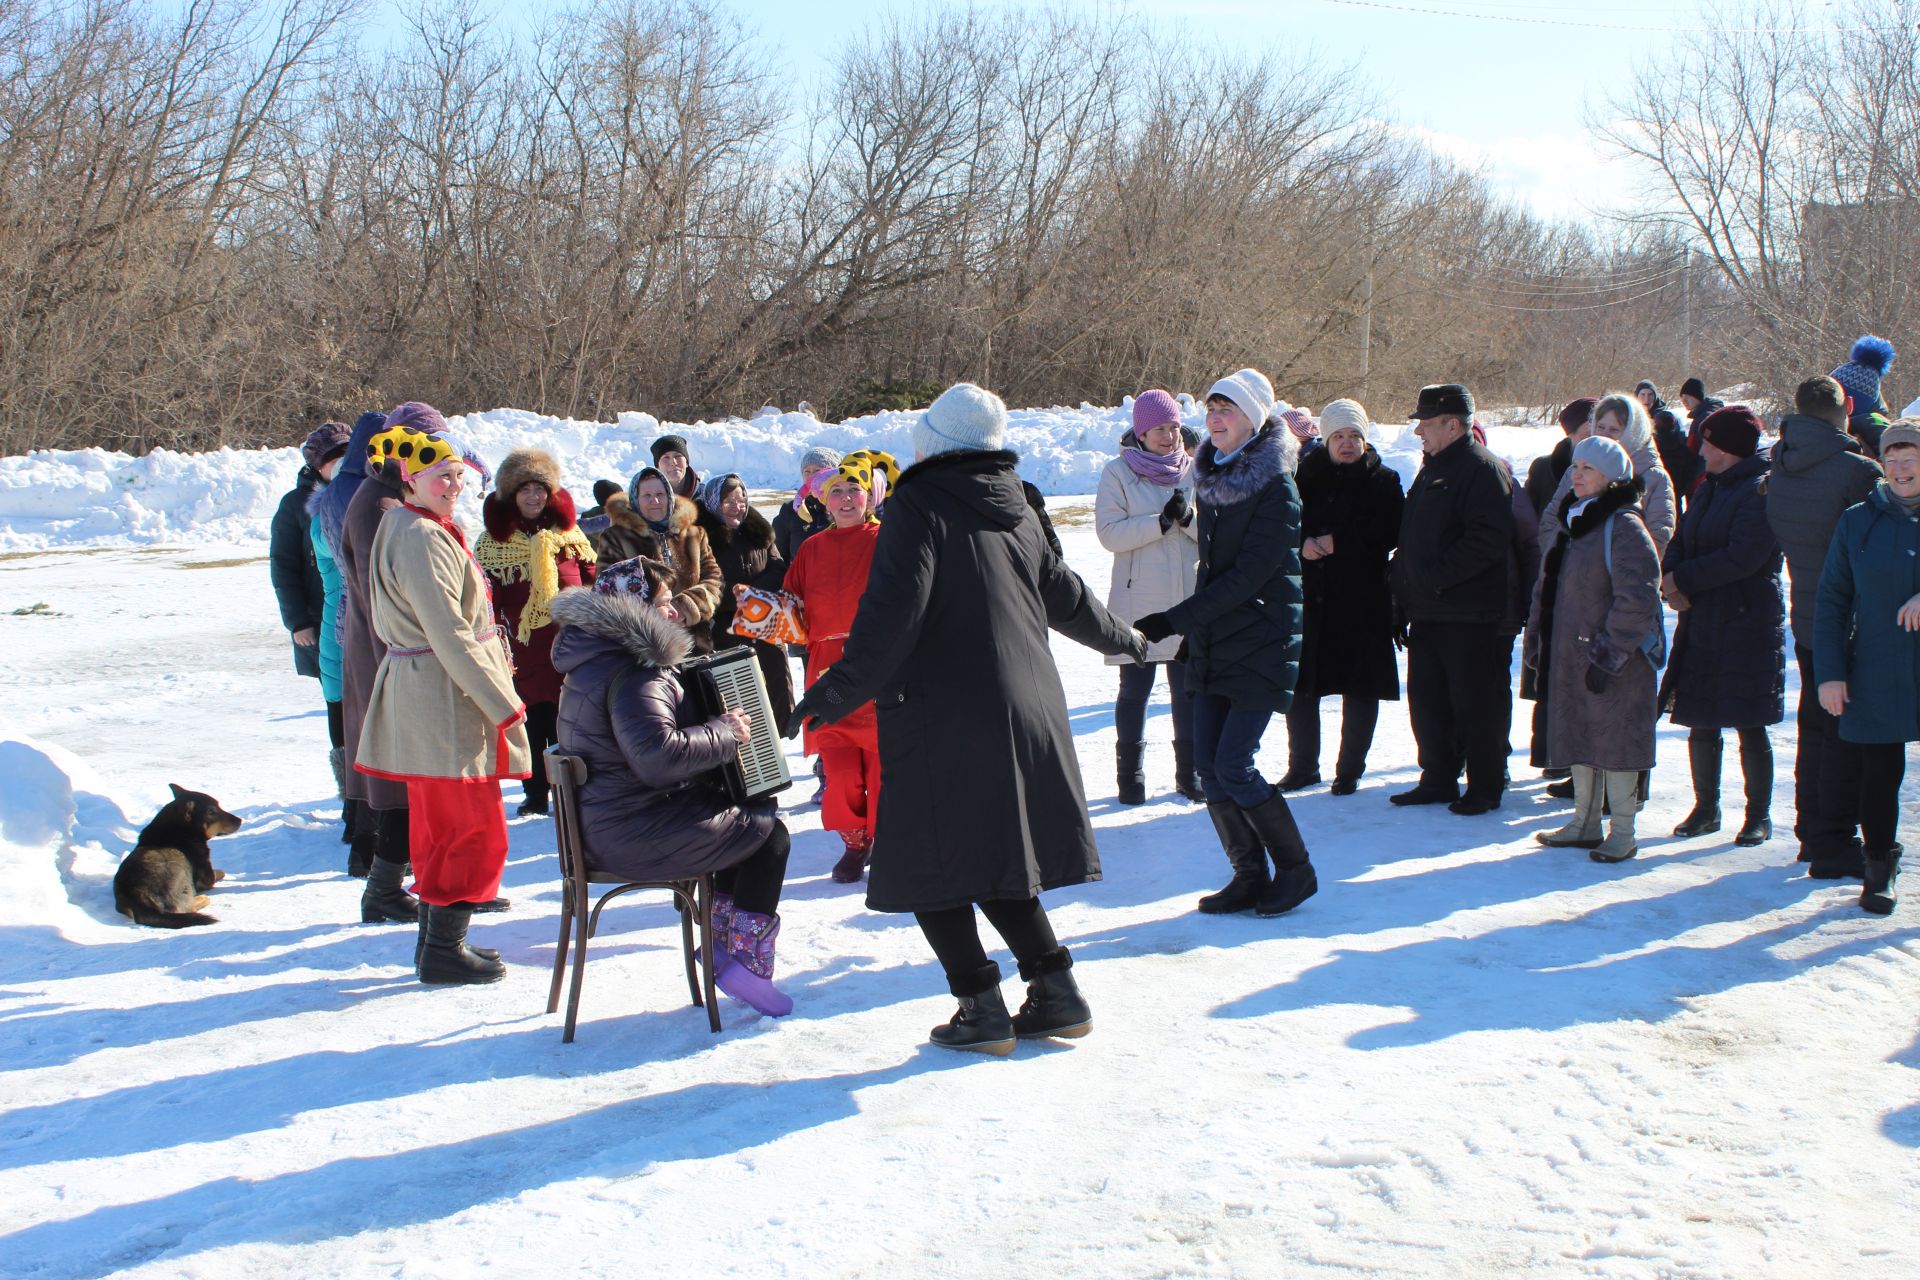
{"points": [[1262, 566]]}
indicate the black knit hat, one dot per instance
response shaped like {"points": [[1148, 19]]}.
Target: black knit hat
{"points": [[604, 489], [670, 444], [1695, 388]]}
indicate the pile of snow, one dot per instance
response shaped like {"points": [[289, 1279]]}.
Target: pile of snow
{"points": [[95, 497]]}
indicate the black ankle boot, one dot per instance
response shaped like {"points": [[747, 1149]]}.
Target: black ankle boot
{"points": [[1757, 828], [1128, 776], [980, 1024], [420, 943], [1876, 888], [384, 901], [1054, 1006], [1293, 879], [448, 960], [1185, 781], [1244, 853], [1298, 777]]}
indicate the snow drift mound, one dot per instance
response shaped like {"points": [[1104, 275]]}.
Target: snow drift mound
{"points": [[60, 840], [94, 497]]}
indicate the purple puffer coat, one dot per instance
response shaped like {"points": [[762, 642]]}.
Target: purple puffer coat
{"points": [[644, 814]]}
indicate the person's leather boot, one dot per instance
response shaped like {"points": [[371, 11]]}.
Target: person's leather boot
{"points": [[980, 1024], [1246, 856], [1129, 777], [1756, 772], [1703, 754], [1293, 878], [1876, 889], [1185, 780], [1054, 1006], [384, 901], [447, 959]]}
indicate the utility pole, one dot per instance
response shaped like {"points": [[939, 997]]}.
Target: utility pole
{"points": [[1686, 311], [1366, 336]]}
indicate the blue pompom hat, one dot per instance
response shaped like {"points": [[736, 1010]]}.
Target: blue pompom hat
{"points": [[1866, 364]]}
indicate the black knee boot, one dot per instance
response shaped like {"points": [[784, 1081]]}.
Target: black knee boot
{"points": [[1293, 879], [1249, 861], [1756, 770], [384, 900], [1703, 753], [447, 959]]}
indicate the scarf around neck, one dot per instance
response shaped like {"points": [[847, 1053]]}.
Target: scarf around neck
{"points": [[535, 559], [1166, 469]]}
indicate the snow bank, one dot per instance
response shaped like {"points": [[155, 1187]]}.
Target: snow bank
{"points": [[60, 838], [95, 497]]}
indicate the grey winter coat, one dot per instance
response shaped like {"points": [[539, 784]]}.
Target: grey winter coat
{"points": [[1818, 472], [1244, 620], [1728, 668], [645, 811], [1584, 617], [361, 651], [1872, 569], [1658, 504], [982, 796], [1153, 569]]}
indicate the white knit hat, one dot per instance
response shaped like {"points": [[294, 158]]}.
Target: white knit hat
{"points": [[1344, 415], [964, 417], [1250, 392]]}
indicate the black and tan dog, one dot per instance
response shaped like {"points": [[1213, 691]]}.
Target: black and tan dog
{"points": [[163, 881]]}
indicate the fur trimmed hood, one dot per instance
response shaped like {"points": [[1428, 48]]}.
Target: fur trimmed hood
{"points": [[502, 517], [1262, 460], [684, 515], [624, 621], [524, 466], [1617, 496]]}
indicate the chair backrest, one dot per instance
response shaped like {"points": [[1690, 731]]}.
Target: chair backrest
{"points": [[566, 773]]}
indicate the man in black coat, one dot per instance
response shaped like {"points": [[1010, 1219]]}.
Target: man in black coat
{"points": [[1451, 583], [1819, 470], [982, 800], [296, 577], [1678, 455]]}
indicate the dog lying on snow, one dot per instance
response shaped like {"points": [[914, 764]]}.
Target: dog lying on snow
{"points": [[164, 880]]}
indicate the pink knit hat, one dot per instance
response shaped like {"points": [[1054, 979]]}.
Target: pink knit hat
{"points": [[1301, 423], [1152, 409]]}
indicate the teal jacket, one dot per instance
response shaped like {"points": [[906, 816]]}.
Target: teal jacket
{"points": [[1873, 567], [330, 582]]}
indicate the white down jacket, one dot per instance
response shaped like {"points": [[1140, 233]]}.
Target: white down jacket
{"points": [[1152, 571]]}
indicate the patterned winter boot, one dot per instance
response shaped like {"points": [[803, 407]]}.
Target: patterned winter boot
{"points": [[749, 978], [853, 863], [722, 921]]}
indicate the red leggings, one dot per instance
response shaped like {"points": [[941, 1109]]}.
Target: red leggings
{"points": [[457, 838], [852, 800]]}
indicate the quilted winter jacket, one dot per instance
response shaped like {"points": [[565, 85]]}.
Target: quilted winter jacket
{"points": [[1152, 570]]}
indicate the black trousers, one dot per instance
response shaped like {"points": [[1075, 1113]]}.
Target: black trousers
{"points": [[1358, 717], [1460, 702], [756, 882], [1130, 704], [336, 724], [393, 841], [1882, 766], [1826, 774], [955, 938], [543, 718]]}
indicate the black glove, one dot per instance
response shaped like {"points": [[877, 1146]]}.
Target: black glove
{"points": [[1177, 511], [821, 703], [1596, 679], [1155, 627], [1180, 654]]}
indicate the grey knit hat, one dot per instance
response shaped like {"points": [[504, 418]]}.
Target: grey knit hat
{"points": [[819, 456], [1605, 456], [964, 417]]}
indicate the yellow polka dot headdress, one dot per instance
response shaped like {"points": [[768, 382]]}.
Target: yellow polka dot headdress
{"points": [[872, 469], [416, 451]]}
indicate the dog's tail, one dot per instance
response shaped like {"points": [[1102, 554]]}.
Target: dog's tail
{"points": [[168, 919]]}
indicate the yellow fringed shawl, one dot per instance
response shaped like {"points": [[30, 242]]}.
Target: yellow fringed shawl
{"points": [[534, 559]]}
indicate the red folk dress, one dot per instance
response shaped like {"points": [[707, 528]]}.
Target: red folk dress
{"points": [[829, 575]]}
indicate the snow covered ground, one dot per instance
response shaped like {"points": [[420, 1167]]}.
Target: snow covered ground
{"points": [[1468, 1056]]}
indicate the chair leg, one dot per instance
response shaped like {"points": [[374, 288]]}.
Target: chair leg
{"points": [[579, 971], [560, 947], [685, 897], [706, 940]]}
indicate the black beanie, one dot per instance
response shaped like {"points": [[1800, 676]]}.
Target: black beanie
{"points": [[670, 444], [604, 489], [1695, 388]]}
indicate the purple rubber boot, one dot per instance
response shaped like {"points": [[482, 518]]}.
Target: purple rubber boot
{"points": [[722, 921], [746, 973]]}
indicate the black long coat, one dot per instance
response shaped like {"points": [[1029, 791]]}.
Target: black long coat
{"points": [[1244, 618], [1347, 644], [1728, 669], [1456, 561], [296, 576], [644, 811], [981, 796]]}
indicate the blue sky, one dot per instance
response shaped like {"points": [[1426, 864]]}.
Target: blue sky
{"points": [[1500, 85]]}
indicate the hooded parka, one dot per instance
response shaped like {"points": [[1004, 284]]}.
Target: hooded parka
{"points": [[983, 798], [1244, 618], [1728, 669], [645, 811]]}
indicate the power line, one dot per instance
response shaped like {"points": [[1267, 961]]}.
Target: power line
{"points": [[1530, 20]]}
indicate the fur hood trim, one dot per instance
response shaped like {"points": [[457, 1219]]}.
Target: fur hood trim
{"points": [[627, 621], [1618, 496], [685, 514], [523, 466], [1261, 461], [502, 517]]}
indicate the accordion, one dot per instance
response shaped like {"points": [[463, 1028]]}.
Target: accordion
{"points": [[731, 681]]}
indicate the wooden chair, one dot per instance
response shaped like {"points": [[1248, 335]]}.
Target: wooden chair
{"points": [[694, 898]]}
